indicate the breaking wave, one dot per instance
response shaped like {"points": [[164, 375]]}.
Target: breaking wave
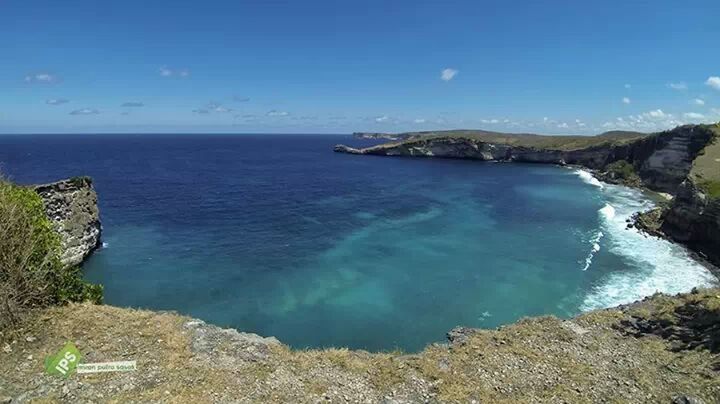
{"points": [[588, 178], [595, 241], [653, 264]]}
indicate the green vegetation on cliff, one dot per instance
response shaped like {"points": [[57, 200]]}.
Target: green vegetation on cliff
{"points": [[706, 167], [623, 172], [532, 140], [31, 273]]}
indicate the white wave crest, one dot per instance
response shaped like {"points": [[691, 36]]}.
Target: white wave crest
{"points": [[655, 265], [595, 248], [588, 178], [607, 212]]}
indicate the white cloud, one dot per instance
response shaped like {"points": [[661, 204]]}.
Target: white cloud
{"points": [[420, 120], [678, 86], [85, 111], [651, 121], [656, 114], [627, 86], [277, 113], [56, 101], [240, 99], [563, 125], [44, 78], [493, 121], [698, 101], [132, 104], [693, 115], [381, 119], [714, 82], [448, 74], [168, 72], [626, 100], [222, 109], [201, 111]]}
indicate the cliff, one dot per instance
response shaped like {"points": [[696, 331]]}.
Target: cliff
{"points": [[72, 207], [673, 161], [661, 350], [694, 220]]}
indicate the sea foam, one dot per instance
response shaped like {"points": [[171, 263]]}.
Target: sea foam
{"points": [[588, 178], [656, 265]]}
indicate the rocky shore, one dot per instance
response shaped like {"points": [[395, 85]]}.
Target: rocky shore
{"points": [[661, 350], [662, 162], [72, 207], [664, 349]]}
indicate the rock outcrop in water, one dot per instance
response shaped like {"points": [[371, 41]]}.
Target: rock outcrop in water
{"points": [[72, 207], [660, 162]]}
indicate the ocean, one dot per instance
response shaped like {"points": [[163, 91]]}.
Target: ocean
{"points": [[278, 235]]}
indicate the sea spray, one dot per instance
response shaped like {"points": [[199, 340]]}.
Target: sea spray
{"points": [[595, 241], [588, 178], [653, 264]]}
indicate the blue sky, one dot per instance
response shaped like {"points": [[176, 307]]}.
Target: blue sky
{"points": [[341, 66]]}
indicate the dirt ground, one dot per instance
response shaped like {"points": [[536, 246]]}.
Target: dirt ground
{"points": [[655, 351]]}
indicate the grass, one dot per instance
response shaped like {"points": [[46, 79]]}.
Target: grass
{"points": [[31, 273], [531, 140], [706, 167], [535, 360]]}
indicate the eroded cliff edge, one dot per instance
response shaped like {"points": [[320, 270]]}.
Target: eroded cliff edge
{"points": [[661, 350], [71, 205], [666, 162]]}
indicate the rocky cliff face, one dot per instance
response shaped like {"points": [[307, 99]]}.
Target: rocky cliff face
{"points": [[664, 160], [72, 207], [660, 162], [694, 219]]}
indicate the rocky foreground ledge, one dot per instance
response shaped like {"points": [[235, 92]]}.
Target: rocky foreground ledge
{"points": [[661, 350], [72, 207]]}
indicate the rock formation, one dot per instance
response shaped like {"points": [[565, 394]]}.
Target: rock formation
{"points": [[72, 207], [660, 162], [661, 350], [694, 220]]}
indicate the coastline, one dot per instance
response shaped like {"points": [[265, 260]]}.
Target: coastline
{"points": [[656, 197]]}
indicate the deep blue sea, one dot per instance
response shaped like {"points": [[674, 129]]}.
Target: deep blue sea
{"points": [[278, 235]]}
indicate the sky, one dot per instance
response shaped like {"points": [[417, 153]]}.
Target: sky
{"points": [[340, 66]]}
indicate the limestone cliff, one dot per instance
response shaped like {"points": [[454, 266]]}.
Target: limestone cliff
{"points": [[660, 162], [72, 207], [694, 219]]}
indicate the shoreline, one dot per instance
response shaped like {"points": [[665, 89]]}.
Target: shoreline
{"points": [[654, 196]]}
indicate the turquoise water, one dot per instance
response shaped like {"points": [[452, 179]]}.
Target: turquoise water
{"points": [[278, 235]]}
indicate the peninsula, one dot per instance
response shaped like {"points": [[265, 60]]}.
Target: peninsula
{"points": [[683, 162]]}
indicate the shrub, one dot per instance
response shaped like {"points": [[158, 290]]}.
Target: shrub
{"points": [[623, 171], [31, 274], [710, 188]]}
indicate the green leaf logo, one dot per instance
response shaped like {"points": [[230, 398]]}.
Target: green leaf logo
{"points": [[63, 364]]}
